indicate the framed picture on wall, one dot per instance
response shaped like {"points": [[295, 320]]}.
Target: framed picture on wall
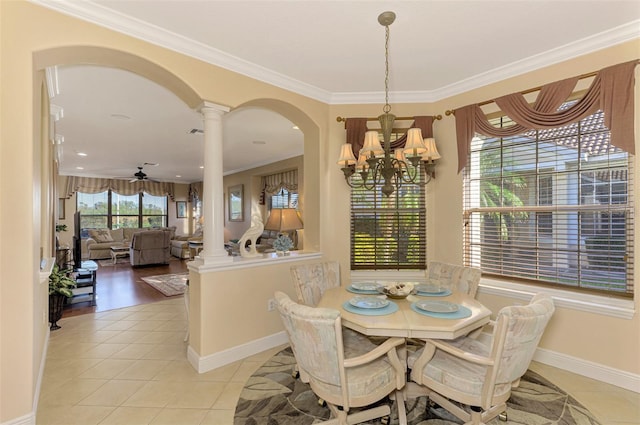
{"points": [[181, 209], [236, 203]]}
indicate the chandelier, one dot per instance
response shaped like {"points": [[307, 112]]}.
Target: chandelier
{"points": [[377, 163]]}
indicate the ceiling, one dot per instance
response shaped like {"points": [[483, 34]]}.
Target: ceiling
{"points": [[332, 51]]}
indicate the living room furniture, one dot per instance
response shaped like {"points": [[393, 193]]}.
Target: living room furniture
{"points": [[99, 242], [346, 375], [481, 375], [405, 321], [150, 247], [119, 251], [85, 290], [195, 247]]}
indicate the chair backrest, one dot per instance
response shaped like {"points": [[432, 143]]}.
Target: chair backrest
{"points": [[315, 335], [311, 280], [456, 278], [518, 331]]}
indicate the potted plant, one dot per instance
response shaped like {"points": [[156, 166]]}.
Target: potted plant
{"points": [[60, 285]]}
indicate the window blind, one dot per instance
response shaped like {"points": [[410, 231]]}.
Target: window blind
{"points": [[551, 206], [388, 232]]}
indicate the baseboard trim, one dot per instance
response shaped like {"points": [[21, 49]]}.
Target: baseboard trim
{"points": [[239, 352], [28, 419], [599, 372]]}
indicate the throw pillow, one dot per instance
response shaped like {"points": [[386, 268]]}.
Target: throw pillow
{"points": [[101, 235]]}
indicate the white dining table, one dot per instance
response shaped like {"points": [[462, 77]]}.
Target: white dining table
{"points": [[405, 322]]}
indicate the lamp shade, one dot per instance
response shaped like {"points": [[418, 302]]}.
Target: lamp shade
{"points": [[372, 144], [283, 220], [414, 145], [431, 154], [346, 155], [362, 164]]}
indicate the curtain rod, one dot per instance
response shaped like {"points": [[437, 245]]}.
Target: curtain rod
{"points": [[435, 117], [449, 112]]}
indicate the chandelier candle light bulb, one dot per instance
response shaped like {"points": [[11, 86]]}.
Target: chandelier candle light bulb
{"points": [[376, 162]]}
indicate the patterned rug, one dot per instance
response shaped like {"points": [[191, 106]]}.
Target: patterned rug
{"points": [[272, 397], [169, 284]]}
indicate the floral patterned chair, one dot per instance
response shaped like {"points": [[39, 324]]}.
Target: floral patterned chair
{"points": [[311, 280], [453, 277], [469, 372], [345, 374]]}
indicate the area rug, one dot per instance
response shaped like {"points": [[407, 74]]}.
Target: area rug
{"points": [[272, 396], [169, 284]]}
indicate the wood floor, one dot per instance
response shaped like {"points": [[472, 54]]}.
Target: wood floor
{"points": [[120, 285]]}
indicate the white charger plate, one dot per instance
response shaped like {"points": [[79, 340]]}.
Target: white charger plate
{"points": [[365, 286], [429, 289], [368, 302], [437, 306]]}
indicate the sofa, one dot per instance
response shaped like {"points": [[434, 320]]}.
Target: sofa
{"points": [[180, 244], [150, 247], [99, 243]]}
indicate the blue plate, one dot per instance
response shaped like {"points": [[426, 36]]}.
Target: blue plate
{"points": [[389, 309], [444, 293], [462, 313], [353, 290]]}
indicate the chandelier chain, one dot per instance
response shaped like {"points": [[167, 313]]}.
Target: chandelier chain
{"points": [[387, 107]]}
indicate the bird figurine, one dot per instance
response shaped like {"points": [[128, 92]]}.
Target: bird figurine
{"points": [[252, 234]]}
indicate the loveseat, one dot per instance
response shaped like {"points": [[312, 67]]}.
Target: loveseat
{"points": [[100, 241], [150, 247], [180, 244]]}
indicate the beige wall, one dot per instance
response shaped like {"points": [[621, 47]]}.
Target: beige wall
{"points": [[27, 32]]}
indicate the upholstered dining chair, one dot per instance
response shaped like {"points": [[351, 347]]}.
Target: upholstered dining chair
{"points": [[311, 280], [481, 375], [455, 278], [345, 374]]}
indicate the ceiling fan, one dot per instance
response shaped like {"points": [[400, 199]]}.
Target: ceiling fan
{"points": [[141, 175]]}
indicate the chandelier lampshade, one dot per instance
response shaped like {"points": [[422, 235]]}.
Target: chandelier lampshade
{"points": [[380, 164]]}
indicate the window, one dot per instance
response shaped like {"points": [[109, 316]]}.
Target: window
{"points": [[551, 206], [284, 199], [112, 210], [388, 232]]}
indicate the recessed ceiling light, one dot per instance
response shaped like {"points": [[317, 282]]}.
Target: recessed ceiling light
{"points": [[295, 127], [178, 175], [81, 154], [202, 166], [259, 142], [79, 168], [120, 117]]}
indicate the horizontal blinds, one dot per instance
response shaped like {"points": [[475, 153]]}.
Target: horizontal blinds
{"points": [[554, 206], [388, 232]]}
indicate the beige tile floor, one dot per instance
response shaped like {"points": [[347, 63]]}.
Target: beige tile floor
{"points": [[129, 367]]}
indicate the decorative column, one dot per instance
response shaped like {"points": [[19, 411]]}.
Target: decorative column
{"points": [[213, 251]]}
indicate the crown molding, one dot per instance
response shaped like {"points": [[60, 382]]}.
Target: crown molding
{"points": [[104, 17], [139, 29]]}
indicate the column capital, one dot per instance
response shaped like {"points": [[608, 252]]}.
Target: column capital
{"points": [[207, 106]]}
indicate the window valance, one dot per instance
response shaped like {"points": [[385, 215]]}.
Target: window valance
{"points": [[611, 91], [121, 187], [356, 127], [273, 183]]}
